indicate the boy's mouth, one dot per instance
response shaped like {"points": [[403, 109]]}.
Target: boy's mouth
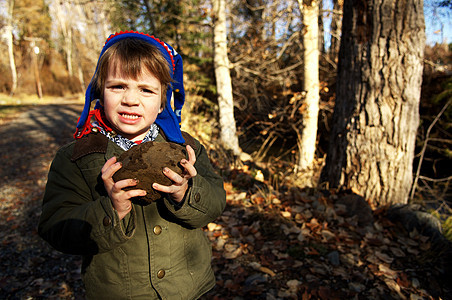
{"points": [[129, 116]]}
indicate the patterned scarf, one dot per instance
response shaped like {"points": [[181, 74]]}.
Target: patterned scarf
{"points": [[101, 123], [123, 142]]}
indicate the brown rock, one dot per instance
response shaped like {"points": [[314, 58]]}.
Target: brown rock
{"points": [[146, 161]]}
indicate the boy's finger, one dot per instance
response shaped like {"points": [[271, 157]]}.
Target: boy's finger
{"points": [[176, 178], [191, 154], [108, 172], [109, 163], [161, 188], [191, 170], [126, 183], [135, 193]]}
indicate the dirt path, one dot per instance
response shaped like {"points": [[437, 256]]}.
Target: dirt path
{"points": [[29, 268]]}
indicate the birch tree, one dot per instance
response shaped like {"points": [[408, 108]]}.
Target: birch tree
{"points": [[9, 42], [308, 133], [62, 10], [376, 115], [224, 86]]}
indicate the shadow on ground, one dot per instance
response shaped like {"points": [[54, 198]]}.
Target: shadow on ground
{"points": [[29, 268]]}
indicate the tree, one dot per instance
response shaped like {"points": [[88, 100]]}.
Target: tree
{"points": [[376, 114], [32, 19], [336, 28], [308, 132], [84, 22], [267, 75], [445, 3], [62, 10], [9, 41], [33, 30], [224, 86]]}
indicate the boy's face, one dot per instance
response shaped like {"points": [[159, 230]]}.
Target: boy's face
{"points": [[131, 106]]}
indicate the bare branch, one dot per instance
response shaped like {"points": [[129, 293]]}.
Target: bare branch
{"points": [[435, 179], [425, 147]]}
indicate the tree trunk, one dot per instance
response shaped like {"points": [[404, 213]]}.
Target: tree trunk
{"points": [[62, 10], [68, 47], [224, 86], [336, 27], [321, 31], [376, 116], [308, 132], [9, 41], [34, 54]]}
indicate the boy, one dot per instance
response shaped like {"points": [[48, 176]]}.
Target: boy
{"points": [[132, 251]]}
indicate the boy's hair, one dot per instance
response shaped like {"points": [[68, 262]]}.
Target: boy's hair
{"points": [[131, 57]]}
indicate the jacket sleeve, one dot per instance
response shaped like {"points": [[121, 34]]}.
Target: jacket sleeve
{"points": [[206, 198], [71, 221]]}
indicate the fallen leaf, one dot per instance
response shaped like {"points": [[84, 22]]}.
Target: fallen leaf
{"points": [[213, 227], [328, 235], [312, 251], [387, 272], [286, 214], [233, 254], [395, 287], [397, 252], [267, 271], [293, 285], [384, 257]]}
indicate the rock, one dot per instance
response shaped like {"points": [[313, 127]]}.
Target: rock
{"points": [[145, 162], [333, 258], [356, 205], [255, 279], [412, 216]]}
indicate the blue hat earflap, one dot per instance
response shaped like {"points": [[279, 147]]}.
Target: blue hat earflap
{"points": [[168, 120]]}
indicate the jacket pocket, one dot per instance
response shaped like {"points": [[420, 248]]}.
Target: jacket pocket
{"points": [[198, 252], [107, 276], [91, 171]]}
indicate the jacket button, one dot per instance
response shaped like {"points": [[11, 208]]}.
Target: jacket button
{"points": [[157, 230], [161, 274], [197, 197], [107, 221]]}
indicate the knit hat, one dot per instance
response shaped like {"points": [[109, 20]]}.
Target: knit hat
{"points": [[168, 120]]}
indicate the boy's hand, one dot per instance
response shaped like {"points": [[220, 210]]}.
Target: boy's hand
{"points": [[177, 190], [119, 197]]}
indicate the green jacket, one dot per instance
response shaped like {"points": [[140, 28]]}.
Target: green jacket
{"points": [[158, 251]]}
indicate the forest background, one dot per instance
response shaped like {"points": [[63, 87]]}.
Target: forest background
{"points": [[55, 45]]}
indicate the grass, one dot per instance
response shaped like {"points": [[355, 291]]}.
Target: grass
{"points": [[10, 106], [446, 223]]}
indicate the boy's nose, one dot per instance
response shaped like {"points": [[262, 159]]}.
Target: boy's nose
{"points": [[130, 97]]}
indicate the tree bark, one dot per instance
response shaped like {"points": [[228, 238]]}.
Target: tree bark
{"points": [[62, 11], [336, 28], [308, 132], [376, 115], [9, 41], [224, 86]]}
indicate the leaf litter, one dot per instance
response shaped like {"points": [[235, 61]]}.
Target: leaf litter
{"points": [[285, 244]]}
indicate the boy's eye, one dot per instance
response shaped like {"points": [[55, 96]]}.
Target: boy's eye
{"points": [[117, 87], [148, 91]]}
